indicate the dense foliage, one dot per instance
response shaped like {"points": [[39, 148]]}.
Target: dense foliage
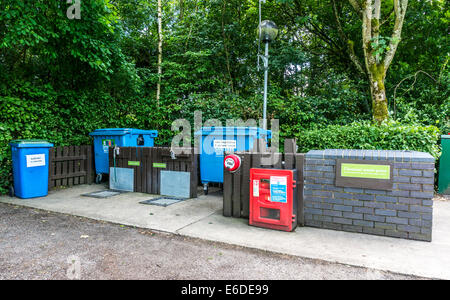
{"points": [[61, 78], [387, 136]]}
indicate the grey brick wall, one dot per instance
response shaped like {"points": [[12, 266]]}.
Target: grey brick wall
{"points": [[404, 212]]}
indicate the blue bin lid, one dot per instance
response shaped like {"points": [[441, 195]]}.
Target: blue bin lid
{"points": [[255, 131], [123, 131], [445, 136], [31, 144]]}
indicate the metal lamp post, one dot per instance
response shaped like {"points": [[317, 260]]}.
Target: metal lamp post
{"points": [[268, 31]]}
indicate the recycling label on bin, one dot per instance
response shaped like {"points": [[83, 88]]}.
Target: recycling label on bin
{"points": [[35, 160], [278, 189], [225, 144], [106, 143]]}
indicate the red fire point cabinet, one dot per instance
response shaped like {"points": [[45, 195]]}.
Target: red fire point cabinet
{"points": [[273, 198]]}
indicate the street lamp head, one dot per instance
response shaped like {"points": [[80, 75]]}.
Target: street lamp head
{"points": [[268, 31]]}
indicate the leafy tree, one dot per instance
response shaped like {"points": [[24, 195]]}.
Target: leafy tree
{"points": [[379, 50], [61, 78]]}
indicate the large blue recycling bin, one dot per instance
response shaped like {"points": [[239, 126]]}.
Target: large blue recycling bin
{"points": [[122, 137], [214, 141], [30, 168]]}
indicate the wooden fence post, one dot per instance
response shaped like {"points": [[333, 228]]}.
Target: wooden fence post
{"points": [[299, 163], [245, 188], [194, 173], [227, 192], [289, 150], [90, 168], [51, 168]]}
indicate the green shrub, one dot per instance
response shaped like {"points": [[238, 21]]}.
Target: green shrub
{"points": [[427, 104], [387, 136]]}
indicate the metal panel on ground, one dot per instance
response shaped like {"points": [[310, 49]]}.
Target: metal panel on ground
{"points": [[174, 183], [121, 179]]}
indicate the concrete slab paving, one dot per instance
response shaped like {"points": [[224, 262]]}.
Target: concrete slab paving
{"points": [[202, 218], [384, 253], [124, 208]]}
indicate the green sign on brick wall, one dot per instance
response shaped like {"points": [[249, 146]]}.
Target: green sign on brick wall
{"points": [[368, 174], [366, 171]]}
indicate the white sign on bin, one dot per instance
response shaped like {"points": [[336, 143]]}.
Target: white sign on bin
{"points": [[225, 144], [255, 187], [35, 160]]}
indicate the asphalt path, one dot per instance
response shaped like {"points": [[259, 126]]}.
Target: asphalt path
{"points": [[36, 244]]}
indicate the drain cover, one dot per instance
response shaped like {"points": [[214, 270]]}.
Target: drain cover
{"points": [[163, 201], [103, 194]]}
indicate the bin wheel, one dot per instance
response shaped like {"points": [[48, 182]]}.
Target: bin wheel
{"points": [[205, 188], [98, 179], [11, 191]]}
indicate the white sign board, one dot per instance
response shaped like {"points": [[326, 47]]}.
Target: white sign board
{"points": [[278, 189], [255, 188], [225, 144], [35, 160]]}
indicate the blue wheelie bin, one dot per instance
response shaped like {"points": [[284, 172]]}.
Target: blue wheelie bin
{"points": [[122, 137], [30, 168], [214, 141]]}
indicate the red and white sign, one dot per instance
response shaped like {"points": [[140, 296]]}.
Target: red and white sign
{"points": [[232, 162]]}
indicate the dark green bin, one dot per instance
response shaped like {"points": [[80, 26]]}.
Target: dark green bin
{"points": [[444, 166]]}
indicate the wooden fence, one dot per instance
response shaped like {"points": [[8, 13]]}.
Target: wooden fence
{"points": [[151, 161], [70, 165], [236, 186]]}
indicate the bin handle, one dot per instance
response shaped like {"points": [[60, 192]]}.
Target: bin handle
{"points": [[172, 154], [140, 140]]}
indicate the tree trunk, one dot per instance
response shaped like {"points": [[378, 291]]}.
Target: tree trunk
{"points": [[158, 86], [181, 4], [377, 61], [378, 92], [227, 53]]}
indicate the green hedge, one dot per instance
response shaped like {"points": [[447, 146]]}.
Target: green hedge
{"points": [[44, 119], [387, 136]]}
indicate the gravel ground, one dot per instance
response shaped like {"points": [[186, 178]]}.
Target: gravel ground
{"points": [[37, 244]]}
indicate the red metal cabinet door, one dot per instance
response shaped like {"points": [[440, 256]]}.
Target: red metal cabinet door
{"points": [[266, 208]]}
